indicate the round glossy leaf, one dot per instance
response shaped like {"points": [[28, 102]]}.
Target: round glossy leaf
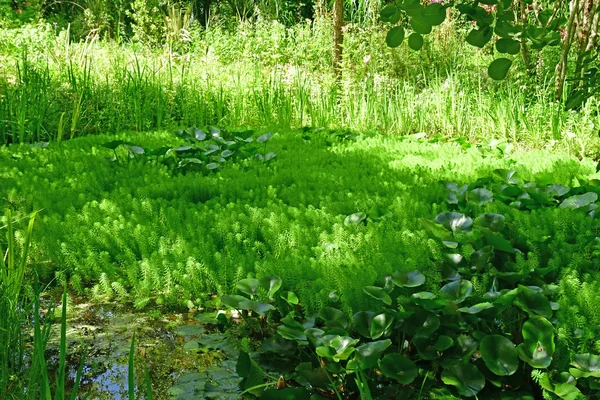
{"points": [[314, 335], [398, 367], [333, 317], [480, 196], [499, 354], [226, 153], [199, 134], [233, 301], [362, 322], [378, 293], [443, 343], [579, 201], [499, 68], [533, 302], [508, 176], [212, 166], [477, 308], [381, 325], [538, 342], [586, 365], [292, 332], [297, 393], [415, 41], [271, 284], [290, 298], [264, 138], [457, 291], [494, 222], [395, 36], [367, 355], [508, 46], [390, 13], [248, 286], [454, 221], [408, 279], [467, 379]]}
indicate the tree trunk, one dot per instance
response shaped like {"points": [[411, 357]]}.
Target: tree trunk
{"points": [[338, 36], [561, 67]]}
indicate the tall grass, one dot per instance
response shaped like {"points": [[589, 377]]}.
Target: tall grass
{"points": [[273, 76]]}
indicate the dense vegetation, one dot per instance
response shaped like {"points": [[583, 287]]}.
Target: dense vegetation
{"points": [[404, 207]]}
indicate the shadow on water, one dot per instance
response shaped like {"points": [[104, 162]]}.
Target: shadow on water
{"points": [[185, 354]]}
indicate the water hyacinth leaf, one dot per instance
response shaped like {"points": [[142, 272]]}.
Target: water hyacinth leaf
{"points": [[415, 41], [494, 222], [395, 36], [586, 365], [113, 144], [333, 317], [288, 393], [457, 291], [251, 373], [278, 345], [398, 367], [477, 308], [499, 243], [533, 302], [215, 132], [367, 355], [381, 325], [378, 293], [437, 230], [233, 300], [190, 330], [248, 286], [290, 298], [314, 335], [362, 322], [408, 279], [443, 343], [465, 377], [355, 219], [212, 166], [454, 221], [508, 176], [292, 332], [270, 156], [480, 196], [182, 149], [226, 153], [579, 201], [538, 342], [264, 138], [508, 46], [198, 134], [271, 284], [499, 354]]}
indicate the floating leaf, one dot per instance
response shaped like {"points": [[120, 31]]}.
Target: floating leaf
{"points": [[290, 298], [398, 367], [499, 354], [248, 286], [579, 201], [333, 317], [457, 291], [508, 176], [586, 365], [190, 330], [362, 322], [271, 284], [533, 302], [454, 221], [367, 355], [381, 325], [408, 279], [378, 293], [494, 222], [264, 138], [477, 308], [467, 379], [538, 342], [480, 196]]}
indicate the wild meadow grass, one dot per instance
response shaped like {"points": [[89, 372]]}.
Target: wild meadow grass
{"points": [[266, 75]]}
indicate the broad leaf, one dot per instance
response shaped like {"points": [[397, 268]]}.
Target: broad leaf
{"points": [[508, 46], [498, 69], [367, 355], [479, 37], [395, 36], [499, 354], [586, 365], [408, 279], [454, 221], [457, 291], [579, 201], [398, 367], [378, 293], [538, 342], [467, 379], [415, 41]]}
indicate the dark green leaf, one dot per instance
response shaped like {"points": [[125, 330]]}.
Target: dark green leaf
{"points": [[415, 41], [381, 325], [398, 367], [499, 68], [508, 46], [538, 342], [378, 293], [467, 379], [395, 36], [367, 355], [457, 291], [479, 37], [408, 279], [579, 201], [499, 354]]}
